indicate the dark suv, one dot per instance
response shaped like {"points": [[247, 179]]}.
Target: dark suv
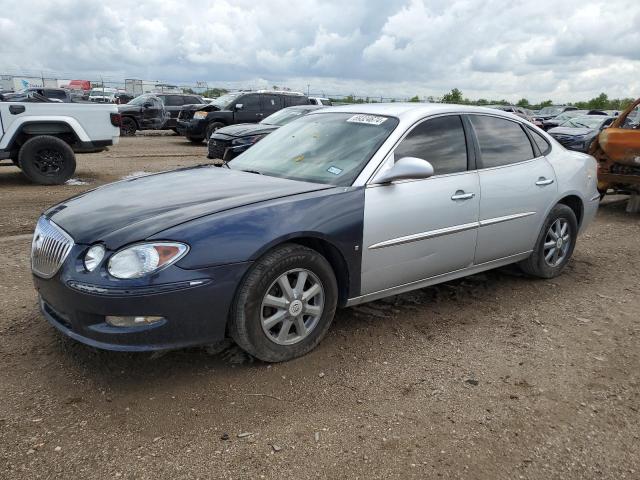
{"points": [[154, 111], [199, 122]]}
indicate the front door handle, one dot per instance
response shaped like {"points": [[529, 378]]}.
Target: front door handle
{"points": [[544, 181], [461, 195], [16, 109]]}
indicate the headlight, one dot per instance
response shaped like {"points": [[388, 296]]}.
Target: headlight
{"points": [[247, 140], [145, 258], [93, 257], [200, 115]]}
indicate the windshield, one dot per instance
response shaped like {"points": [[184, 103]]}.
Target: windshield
{"points": [[550, 111], [330, 148], [284, 116], [224, 100], [588, 121], [140, 100]]}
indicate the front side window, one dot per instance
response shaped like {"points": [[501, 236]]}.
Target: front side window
{"points": [[329, 148], [440, 141], [502, 142], [250, 102]]}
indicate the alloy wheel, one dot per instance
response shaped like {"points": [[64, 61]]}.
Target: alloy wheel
{"points": [[557, 243], [292, 306]]}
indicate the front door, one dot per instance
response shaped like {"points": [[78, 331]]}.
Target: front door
{"points": [[417, 229], [251, 110], [518, 187]]}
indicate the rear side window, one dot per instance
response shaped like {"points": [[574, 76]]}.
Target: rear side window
{"points": [[297, 100], [173, 100], [441, 141], [541, 142], [272, 102], [502, 142]]}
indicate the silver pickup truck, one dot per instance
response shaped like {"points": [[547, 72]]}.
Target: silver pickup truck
{"points": [[42, 138]]}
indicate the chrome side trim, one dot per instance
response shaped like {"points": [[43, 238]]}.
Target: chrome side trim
{"points": [[506, 218], [444, 277], [416, 237]]}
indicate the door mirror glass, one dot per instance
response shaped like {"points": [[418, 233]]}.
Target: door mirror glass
{"points": [[239, 106], [407, 168]]}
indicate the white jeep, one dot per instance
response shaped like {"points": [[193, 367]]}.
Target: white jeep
{"points": [[42, 138]]}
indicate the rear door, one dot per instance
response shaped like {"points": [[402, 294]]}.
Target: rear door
{"points": [[518, 186], [271, 104], [418, 229]]}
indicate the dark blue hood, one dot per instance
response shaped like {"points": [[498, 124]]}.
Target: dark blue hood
{"points": [[132, 210]]}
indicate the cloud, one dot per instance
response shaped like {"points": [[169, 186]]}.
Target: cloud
{"points": [[509, 49]]}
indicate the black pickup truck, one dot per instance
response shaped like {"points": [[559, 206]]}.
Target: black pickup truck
{"points": [[197, 122], [154, 111]]}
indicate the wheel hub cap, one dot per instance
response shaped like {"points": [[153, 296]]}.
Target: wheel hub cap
{"points": [[557, 242], [295, 308]]}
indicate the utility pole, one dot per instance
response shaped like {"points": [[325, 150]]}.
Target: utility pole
{"points": [[308, 85]]}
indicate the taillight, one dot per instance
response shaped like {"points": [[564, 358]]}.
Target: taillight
{"points": [[116, 119]]}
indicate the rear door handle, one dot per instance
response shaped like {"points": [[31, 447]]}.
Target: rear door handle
{"points": [[544, 181], [460, 195]]}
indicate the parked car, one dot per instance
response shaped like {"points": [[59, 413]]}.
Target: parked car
{"points": [[153, 111], [520, 112], [561, 118], [320, 101], [41, 138], [343, 206], [173, 103], [198, 122], [103, 95], [548, 113], [123, 98], [28, 94], [578, 133], [229, 142]]}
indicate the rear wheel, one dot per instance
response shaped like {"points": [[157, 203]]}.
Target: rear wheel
{"points": [[554, 245], [47, 160], [128, 127], [285, 305]]}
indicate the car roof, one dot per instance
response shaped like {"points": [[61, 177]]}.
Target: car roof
{"points": [[414, 111]]}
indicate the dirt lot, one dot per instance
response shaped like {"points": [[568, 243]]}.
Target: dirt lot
{"points": [[496, 376]]}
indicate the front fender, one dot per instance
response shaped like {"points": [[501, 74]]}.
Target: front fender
{"points": [[244, 234]]}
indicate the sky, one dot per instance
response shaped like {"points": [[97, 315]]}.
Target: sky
{"points": [[563, 50]]}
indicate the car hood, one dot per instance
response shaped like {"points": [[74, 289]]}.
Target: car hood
{"points": [[571, 131], [129, 108], [245, 129], [134, 209]]}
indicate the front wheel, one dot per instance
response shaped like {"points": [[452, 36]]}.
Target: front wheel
{"points": [[285, 304], [212, 127], [47, 160], [554, 245]]}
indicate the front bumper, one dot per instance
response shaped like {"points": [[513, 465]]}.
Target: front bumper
{"points": [[193, 315], [196, 127]]}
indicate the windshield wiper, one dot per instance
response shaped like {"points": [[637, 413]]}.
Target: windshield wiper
{"points": [[252, 171]]}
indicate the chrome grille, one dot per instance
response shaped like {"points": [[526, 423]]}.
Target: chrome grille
{"points": [[49, 248]]}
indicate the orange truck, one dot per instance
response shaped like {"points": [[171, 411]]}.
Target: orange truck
{"points": [[617, 150]]}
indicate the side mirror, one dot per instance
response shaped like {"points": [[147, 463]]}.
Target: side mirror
{"points": [[147, 105], [407, 168], [238, 106]]}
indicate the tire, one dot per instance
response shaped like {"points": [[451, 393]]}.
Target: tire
{"points": [[195, 139], [128, 127], [212, 127], [47, 160], [248, 311], [538, 265]]}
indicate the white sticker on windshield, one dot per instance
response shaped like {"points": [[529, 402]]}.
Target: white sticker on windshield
{"points": [[334, 170], [367, 119]]}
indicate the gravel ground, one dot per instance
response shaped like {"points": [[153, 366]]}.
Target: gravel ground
{"points": [[494, 376]]}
